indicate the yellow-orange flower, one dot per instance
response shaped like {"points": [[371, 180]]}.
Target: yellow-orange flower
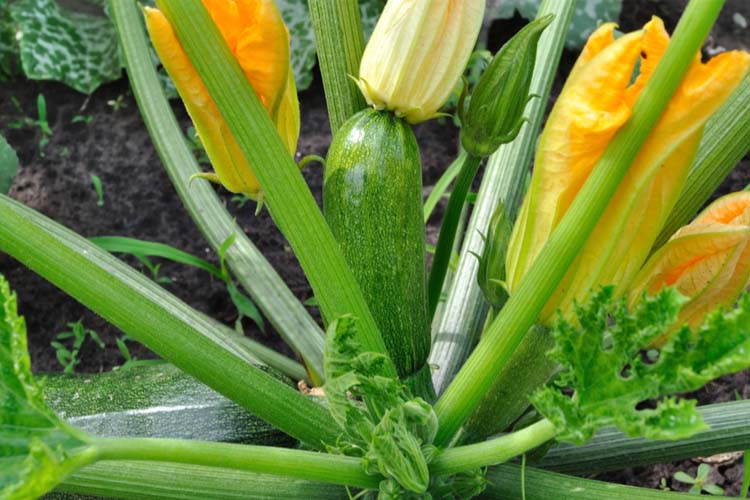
{"points": [[708, 261], [417, 54], [595, 103], [256, 35]]}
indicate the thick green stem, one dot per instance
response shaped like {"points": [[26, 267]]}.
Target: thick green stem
{"points": [[340, 43], [508, 398], [726, 140], [159, 320], [441, 186], [507, 481], [257, 276], [169, 481], [310, 465], [524, 306], [448, 228], [495, 451], [288, 197], [458, 330], [610, 449]]}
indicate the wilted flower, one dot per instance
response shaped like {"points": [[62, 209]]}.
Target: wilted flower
{"points": [[708, 261], [595, 102], [256, 35], [417, 54], [495, 113]]}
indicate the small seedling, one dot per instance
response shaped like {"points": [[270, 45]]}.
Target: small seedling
{"points": [[154, 269], [240, 200], [130, 360], [118, 103], [85, 119], [97, 183], [699, 482], [69, 358], [41, 122]]}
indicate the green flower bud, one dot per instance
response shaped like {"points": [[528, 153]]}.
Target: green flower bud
{"points": [[491, 272], [495, 113]]}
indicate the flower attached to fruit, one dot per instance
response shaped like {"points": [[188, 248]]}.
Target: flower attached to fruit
{"points": [[417, 54]]}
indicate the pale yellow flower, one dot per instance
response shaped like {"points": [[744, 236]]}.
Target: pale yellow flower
{"points": [[417, 54]]}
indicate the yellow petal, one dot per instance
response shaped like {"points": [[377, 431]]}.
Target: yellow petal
{"points": [[288, 117], [708, 261], [258, 38], [225, 155], [579, 129], [590, 109]]}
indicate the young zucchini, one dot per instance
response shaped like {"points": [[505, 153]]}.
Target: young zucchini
{"points": [[372, 197]]}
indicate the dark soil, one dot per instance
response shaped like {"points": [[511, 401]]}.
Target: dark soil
{"points": [[140, 202]]}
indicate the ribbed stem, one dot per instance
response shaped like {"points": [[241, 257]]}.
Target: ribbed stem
{"points": [[524, 306], [493, 451], [610, 449], [170, 481], [504, 180], [340, 43], [448, 228], [159, 320], [506, 481], [309, 465]]}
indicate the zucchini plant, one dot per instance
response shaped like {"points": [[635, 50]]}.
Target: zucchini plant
{"points": [[574, 320]]}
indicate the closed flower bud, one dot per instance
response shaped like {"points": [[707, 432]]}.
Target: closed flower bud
{"points": [[491, 272], [495, 113], [417, 54], [707, 261], [256, 35], [594, 104]]}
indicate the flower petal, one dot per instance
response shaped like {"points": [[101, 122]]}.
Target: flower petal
{"points": [[590, 110]]}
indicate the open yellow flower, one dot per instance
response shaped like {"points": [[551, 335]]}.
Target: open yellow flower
{"points": [[596, 101], [417, 54], [708, 261], [256, 35]]}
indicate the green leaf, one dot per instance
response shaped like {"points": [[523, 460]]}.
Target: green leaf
{"points": [[601, 361], [297, 19], [389, 429], [77, 49], [392, 431], [8, 47], [37, 450], [8, 165], [245, 306], [586, 17]]}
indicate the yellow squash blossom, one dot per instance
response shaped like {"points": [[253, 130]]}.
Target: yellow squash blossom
{"points": [[256, 35], [595, 103], [417, 54], [708, 261]]}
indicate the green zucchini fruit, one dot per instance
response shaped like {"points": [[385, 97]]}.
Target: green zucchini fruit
{"points": [[372, 199], [159, 401], [154, 401]]}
